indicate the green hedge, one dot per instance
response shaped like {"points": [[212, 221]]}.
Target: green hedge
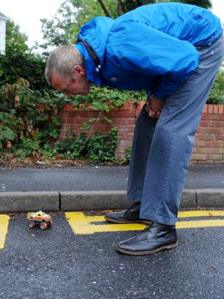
{"points": [[30, 125], [217, 93]]}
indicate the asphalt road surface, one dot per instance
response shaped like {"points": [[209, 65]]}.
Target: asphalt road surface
{"points": [[95, 178], [59, 263]]}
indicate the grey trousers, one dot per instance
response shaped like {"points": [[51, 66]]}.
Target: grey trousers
{"points": [[162, 148]]}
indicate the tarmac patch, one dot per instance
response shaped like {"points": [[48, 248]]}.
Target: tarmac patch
{"points": [[82, 224]]}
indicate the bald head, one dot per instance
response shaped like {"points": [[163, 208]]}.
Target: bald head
{"points": [[61, 61]]}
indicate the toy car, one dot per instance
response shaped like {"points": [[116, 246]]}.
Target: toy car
{"points": [[40, 219]]}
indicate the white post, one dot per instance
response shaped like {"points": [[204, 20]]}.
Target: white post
{"points": [[3, 20]]}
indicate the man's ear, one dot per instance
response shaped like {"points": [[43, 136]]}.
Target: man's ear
{"points": [[78, 70]]}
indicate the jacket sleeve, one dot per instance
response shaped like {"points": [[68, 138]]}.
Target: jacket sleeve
{"points": [[140, 48]]}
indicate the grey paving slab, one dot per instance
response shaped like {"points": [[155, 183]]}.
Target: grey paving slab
{"points": [[96, 178], [64, 179]]}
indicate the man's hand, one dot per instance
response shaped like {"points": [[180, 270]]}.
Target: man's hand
{"points": [[154, 107]]}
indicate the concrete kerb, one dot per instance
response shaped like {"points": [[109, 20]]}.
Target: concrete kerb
{"points": [[29, 201], [97, 200], [109, 200], [210, 198]]}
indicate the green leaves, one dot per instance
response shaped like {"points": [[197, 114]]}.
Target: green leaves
{"points": [[97, 105], [6, 133], [202, 3], [15, 40], [7, 128], [28, 118], [217, 93], [130, 4], [19, 61], [97, 148], [27, 147], [105, 99]]}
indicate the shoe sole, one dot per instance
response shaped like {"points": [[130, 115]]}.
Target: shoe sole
{"points": [[126, 221], [149, 252]]}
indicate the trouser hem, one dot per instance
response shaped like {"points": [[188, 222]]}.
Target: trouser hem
{"points": [[133, 198], [159, 219]]}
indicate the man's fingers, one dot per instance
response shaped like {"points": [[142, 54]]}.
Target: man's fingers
{"points": [[154, 114], [158, 114], [151, 113]]}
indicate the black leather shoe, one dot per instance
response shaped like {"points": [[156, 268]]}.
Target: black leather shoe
{"points": [[156, 238], [127, 216]]}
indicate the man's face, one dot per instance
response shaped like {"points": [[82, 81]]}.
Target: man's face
{"points": [[76, 84]]}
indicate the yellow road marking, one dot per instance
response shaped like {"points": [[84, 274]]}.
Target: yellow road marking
{"points": [[78, 220], [189, 214], [95, 218], [183, 214], [117, 227], [4, 222], [199, 224], [83, 225]]}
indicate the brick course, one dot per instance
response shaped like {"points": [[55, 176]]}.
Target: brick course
{"points": [[209, 145], [209, 139]]}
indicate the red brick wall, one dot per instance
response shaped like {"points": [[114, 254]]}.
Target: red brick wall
{"points": [[209, 138], [210, 135]]}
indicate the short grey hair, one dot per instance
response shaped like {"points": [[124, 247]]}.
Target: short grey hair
{"points": [[61, 61]]}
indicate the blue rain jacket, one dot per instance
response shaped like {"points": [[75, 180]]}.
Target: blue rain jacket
{"points": [[153, 47]]}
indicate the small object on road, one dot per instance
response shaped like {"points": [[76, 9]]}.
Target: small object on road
{"points": [[40, 219]]}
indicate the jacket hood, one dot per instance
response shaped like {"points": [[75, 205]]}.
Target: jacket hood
{"points": [[95, 32]]}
